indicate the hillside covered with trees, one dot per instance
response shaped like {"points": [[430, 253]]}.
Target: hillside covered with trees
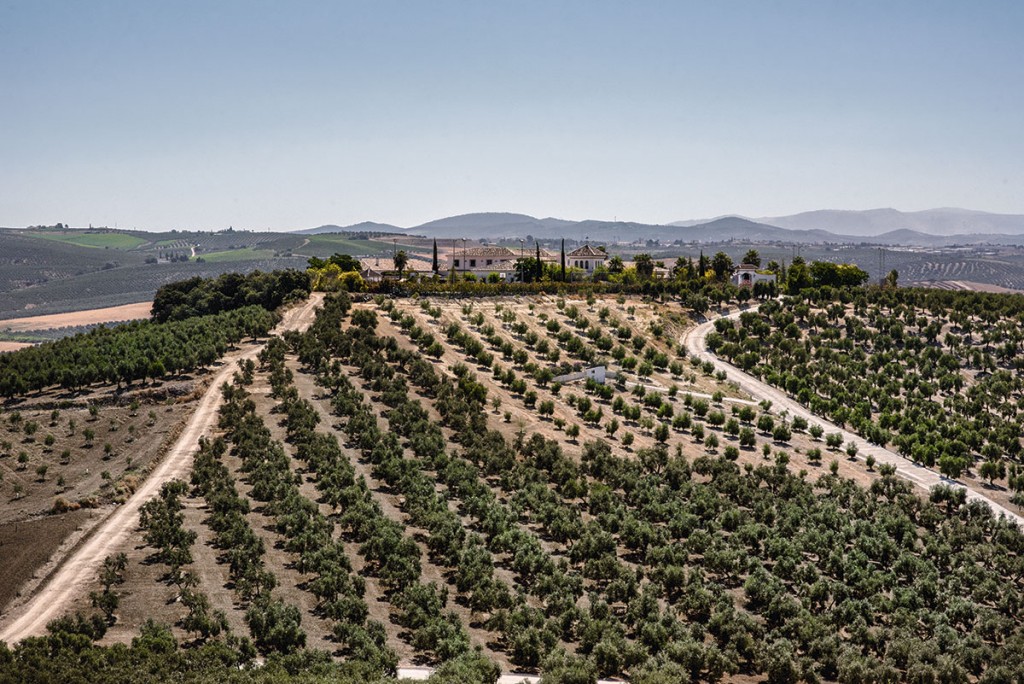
{"points": [[374, 508], [194, 322], [935, 374]]}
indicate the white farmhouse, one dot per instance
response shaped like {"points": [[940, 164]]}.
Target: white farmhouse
{"points": [[747, 275], [586, 258], [483, 261]]}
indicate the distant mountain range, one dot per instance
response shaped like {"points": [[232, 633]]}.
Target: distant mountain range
{"points": [[875, 222], [934, 227]]}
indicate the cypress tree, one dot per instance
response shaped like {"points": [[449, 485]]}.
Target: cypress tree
{"points": [[540, 266], [563, 260], [435, 264]]}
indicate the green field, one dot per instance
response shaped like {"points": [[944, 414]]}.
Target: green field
{"points": [[82, 239], [338, 243], [30, 337], [246, 254]]}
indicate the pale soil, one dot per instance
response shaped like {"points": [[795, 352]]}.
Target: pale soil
{"points": [[278, 561], [135, 442], [76, 574], [523, 418], [146, 595], [997, 492], [13, 346], [110, 314]]}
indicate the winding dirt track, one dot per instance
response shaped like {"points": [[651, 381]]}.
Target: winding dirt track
{"points": [[695, 340], [80, 568]]}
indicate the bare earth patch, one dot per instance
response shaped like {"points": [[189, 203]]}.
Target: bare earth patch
{"points": [[26, 545], [111, 314]]}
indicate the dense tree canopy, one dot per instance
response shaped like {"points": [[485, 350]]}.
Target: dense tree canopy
{"points": [[936, 374], [129, 352], [202, 296], [586, 560]]}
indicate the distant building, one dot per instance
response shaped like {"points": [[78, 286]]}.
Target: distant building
{"points": [[747, 275], [595, 373], [546, 257], [483, 261], [371, 275], [376, 269], [586, 258]]}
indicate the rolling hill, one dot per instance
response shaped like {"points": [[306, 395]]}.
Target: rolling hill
{"points": [[364, 227]]}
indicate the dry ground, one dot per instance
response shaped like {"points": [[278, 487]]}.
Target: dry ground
{"points": [[78, 476], [523, 418], [111, 314], [76, 568], [25, 546]]}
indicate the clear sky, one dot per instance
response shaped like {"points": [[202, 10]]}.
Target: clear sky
{"points": [[285, 115]]}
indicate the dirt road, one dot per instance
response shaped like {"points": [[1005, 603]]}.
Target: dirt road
{"points": [[79, 569], [696, 346]]}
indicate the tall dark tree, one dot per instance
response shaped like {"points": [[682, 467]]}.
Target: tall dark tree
{"points": [[435, 265], [702, 264], [644, 265], [401, 261], [563, 259], [721, 264], [540, 264], [799, 276], [680, 268]]}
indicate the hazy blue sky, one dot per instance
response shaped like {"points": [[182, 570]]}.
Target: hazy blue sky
{"points": [[294, 114]]}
